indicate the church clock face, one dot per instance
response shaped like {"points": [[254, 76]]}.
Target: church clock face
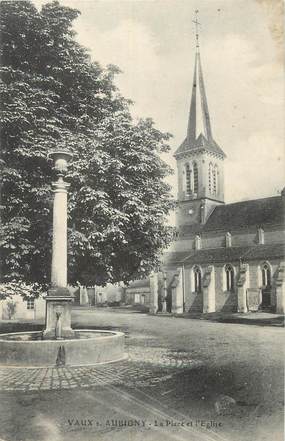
{"points": [[189, 210]]}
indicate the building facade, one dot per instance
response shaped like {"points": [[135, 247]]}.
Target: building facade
{"points": [[16, 308], [226, 257], [138, 293], [97, 295]]}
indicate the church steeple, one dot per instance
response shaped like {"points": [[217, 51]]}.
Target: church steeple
{"points": [[199, 131], [199, 118], [199, 158]]}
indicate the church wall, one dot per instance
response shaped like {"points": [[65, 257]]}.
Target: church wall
{"points": [[217, 240], [221, 181], [170, 271], [255, 275], [193, 301], [225, 301], [183, 217], [239, 239], [180, 176]]}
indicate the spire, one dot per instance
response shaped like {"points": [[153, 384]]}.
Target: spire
{"points": [[199, 132], [199, 118]]}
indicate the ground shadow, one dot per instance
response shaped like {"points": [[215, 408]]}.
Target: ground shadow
{"points": [[250, 319]]}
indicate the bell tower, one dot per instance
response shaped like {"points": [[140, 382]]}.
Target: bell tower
{"points": [[199, 158]]}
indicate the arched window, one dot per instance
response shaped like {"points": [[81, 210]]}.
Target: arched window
{"points": [[266, 275], [210, 177], [197, 279], [195, 177], [215, 179], [229, 271], [188, 178]]}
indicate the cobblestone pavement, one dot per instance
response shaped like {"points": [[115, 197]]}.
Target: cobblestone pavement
{"points": [[144, 367], [177, 372]]}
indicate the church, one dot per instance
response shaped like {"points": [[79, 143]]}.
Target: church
{"points": [[226, 257]]}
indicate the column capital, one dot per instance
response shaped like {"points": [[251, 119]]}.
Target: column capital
{"points": [[60, 186]]}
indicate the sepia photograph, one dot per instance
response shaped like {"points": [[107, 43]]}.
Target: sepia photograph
{"points": [[142, 276]]}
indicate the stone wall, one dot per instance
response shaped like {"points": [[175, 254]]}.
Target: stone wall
{"points": [[225, 301]]}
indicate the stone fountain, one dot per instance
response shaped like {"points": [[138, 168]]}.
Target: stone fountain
{"points": [[58, 301], [60, 345]]}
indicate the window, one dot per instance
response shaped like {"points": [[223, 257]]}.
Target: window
{"points": [[197, 280], [229, 278], [266, 275], [210, 177], [137, 298], [195, 177], [188, 178], [215, 180], [31, 304], [142, 299]]}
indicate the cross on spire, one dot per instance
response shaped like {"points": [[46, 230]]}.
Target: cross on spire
{"points": [[197, 24], [199, 131], [199, 118]]}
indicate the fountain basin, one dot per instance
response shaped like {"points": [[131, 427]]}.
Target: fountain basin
{"points": [[88, 347]]}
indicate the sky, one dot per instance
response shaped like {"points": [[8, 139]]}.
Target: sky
{"points": [[242, 46]]}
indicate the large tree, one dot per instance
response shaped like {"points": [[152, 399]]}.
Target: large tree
{"points": [[53, 96]]}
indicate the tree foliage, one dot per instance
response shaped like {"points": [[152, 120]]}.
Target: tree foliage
{"points": [[53, 96]]}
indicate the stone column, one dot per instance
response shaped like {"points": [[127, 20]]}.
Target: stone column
{"points": [[164, 306], [280, 289], [58, 299], [83, 296], [153, 301], [59, 240], [242, 285], [209, 295], [177, 292]]}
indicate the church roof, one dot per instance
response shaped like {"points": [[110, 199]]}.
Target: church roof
{"points": [[172, 257], [140, 283], [228, 217], [199, 131], [257, 212], [200, 143], [232, 254]]}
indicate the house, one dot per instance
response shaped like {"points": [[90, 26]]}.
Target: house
{"points": [[14, 308], [97, 295], [138, 293]]}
